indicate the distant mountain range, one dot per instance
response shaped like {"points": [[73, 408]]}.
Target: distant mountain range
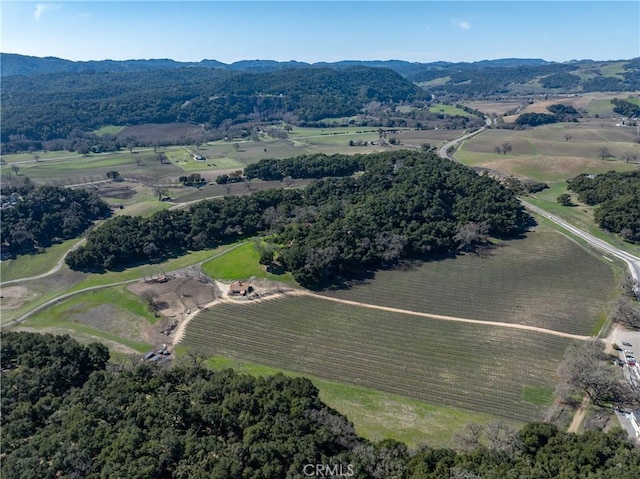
{"points": [[520, 76], [14, 64]]}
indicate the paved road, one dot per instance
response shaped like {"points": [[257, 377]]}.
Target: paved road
{"points": [[633, 262], [443, 149]]}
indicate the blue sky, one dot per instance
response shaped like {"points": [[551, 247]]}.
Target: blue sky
{"points": [[422, 31]]}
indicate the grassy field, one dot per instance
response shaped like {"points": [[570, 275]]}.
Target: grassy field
{"points": [[109, 129], [23, 297], [379, 415], [475, 367], [448, 110], [113, 314], [544, 154], [242, 263], [545, 281], [34, 264], [72, 169]]}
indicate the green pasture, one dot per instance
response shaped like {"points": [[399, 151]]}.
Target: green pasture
{"points": [[141, 207], [242, 263], [36, 263], [600, 107], [33, 293], [545, 280], [470, 366], [538, 395], [545, 154], [109, 129], [43, 155], [613, 69], [114, 314], [84, 169], [377, 415], [448, 110]]}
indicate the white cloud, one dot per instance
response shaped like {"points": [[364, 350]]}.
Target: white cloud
{"points": [[43, 7], [461, 24]]}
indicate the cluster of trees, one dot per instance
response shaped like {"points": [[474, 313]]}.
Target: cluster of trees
{"points": [[617, 197], [403, 204], [589, 370], [559, 112], [564, 112], [193, 179], [306, 166], [626, 108], [233, 177], [48, 107], [535, 119], [43, 215], [68, 413], [524, 186]]}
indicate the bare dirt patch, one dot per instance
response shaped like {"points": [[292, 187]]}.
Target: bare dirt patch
{"points": [[109, 318], [123, 192], [175, 300], [490, 107], [15, 296]]}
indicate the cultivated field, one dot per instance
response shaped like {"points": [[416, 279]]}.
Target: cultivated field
{"points": [[545, 281], [508, 373], [379, 415]]}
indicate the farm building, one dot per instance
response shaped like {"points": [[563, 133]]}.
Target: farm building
{"points": [[240, 288], [198, 157]]}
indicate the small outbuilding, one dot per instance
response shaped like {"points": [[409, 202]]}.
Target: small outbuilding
{"points": [[240, 288]]}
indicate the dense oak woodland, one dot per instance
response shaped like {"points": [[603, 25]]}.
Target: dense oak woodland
{"points": [[67, 412], [617, 196], [400, 204], [47, 107], [43, 215]]}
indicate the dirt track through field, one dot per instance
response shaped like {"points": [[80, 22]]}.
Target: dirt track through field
{"points": [[180, 332], [449, 318], [581, 413]]}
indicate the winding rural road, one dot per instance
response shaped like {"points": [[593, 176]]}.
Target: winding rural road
{"points": [[53, 270]]}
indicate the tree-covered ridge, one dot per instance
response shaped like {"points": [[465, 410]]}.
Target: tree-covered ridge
{"points": [[67, 413], [38, 216], [617, 195], [403, 204], [626, 108], [46, 107]]}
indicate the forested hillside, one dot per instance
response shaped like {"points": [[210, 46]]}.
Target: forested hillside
{"points": [[45, 107], [67, 413], [403, 204]]}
